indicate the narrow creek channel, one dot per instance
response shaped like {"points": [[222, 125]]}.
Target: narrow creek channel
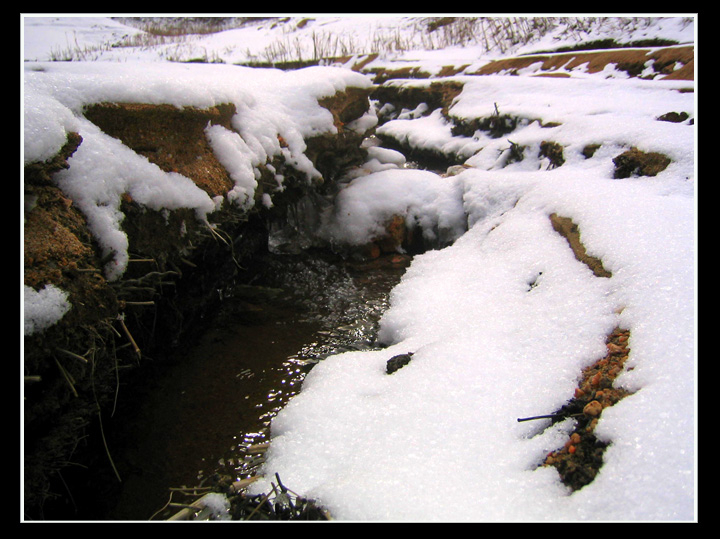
{"points": [[221, 395]]}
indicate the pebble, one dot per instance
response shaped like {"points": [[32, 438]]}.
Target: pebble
{"points": [[593, 409], [398, 362]]}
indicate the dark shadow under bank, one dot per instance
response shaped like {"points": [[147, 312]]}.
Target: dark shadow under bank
{"points": [[188, 416]]}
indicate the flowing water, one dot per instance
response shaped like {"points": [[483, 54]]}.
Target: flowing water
{"points": [[220, 398]]}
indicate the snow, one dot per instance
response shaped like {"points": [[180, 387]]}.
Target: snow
{"points": [[439, 440], [45, 38], [215, 507], [421, 197], [43, 308], [487, 351]]}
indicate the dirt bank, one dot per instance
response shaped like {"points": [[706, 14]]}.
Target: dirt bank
{"points": [[77, 369]]}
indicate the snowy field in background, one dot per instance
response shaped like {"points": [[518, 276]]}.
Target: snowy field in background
{"points": [[439, 440], [404, 38]]}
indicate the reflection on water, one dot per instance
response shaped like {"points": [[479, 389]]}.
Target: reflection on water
{"points": [[221, 397]]}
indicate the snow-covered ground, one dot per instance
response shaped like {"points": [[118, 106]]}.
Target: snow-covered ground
{"points": [[439, 440], [487, 350]]}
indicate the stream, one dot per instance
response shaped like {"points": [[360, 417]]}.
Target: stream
{"points": [[221, 395]]}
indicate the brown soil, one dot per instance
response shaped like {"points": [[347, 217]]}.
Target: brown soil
{"points": [[580, 459], [554, 152], [170, 137], [346, 106], [436, 95], [569, 230], [410, 72], [634, 162], [631, 61]]}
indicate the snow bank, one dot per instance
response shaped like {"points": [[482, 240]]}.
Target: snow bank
{"points": [[616, 114], [438, 440], [488, 349], [620, 29], [270, 104], [365, 206]]}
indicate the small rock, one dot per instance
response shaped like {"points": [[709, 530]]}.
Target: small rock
{"points": [[397, 362], [592, 409], [674, 117]]}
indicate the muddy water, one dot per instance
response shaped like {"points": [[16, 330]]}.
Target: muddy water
{"points": [[221, 396]]}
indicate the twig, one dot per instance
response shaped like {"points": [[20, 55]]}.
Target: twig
{"points": [[217, 235], [117, 381], [73, 354], [107, 450], [549, 416], [228, 242], [115, 331], [244, 483], [121, 319], [162, 508], [187, 490], [183, 505], [284, 493], [181, 515], [187, 510], [67, 377], [99, 414], [262, 502], [257, 448]]}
